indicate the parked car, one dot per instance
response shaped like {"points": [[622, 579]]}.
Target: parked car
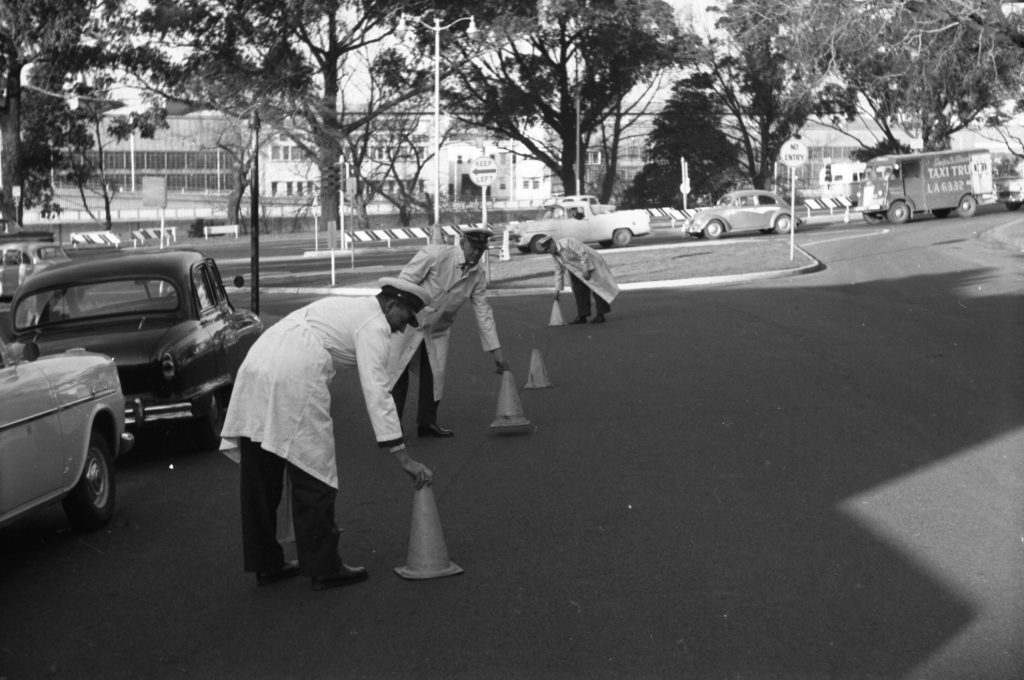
{"points": [[21, 259], [744, 210], [565, 217], [61, 427], [164, 317]]}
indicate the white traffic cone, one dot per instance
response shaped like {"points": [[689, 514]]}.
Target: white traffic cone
{"points": [[538, 373], [556, 315], [510, 409], [428, 554]]}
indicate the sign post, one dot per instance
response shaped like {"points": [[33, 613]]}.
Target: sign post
{"points": [[684, 186], [792, 155], [482, 172]]}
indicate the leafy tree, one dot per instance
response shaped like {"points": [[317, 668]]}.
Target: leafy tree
{"points": [[763, 94], [541, 58], [931, 68], [33, 32], [687, 127], [286, 60]]}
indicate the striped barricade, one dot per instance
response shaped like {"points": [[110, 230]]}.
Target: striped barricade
{"points": [[106, 239], [161, 233], [673, 214], [829, 204]]}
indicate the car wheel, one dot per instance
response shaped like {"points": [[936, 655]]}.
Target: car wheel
{"points": [[899, 213], [942, 212], [90, 504], [714, 229], [621, 237], [208, 426], [1013, 205], [535, 243], [783, 224], [968, 206]]}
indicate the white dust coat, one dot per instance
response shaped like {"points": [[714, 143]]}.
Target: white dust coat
{"points": [[436, 268], [282, 398], [579, 258]]}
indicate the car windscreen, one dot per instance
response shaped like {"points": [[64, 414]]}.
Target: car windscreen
{"points": [[95, 300]]}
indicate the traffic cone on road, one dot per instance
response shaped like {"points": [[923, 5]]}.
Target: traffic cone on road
{"points": [[556, 315], [510, 409], [538, 373], [428, 554]]}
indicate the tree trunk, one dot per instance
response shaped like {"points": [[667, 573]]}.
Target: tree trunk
{"points": [[10, 143]]}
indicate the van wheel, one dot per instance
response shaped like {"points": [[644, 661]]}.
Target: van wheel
{"points": [[968, 206], [783, 224], [714, 229], [622, 237], [899, 213], [872, 218], [90, 504]]}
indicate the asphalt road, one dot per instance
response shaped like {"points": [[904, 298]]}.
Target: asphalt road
{"points": [[811, 477]]}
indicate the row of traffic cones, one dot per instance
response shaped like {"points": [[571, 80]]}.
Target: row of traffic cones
{"points": [[428, 552]]}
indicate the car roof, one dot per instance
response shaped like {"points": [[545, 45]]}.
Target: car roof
{"points": [[168, 263], [28, 245]]}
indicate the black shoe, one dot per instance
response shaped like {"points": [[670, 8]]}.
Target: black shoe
{"points": [[434, 430], [578, 319], [346, 576], [266, 578], [598, 319]]}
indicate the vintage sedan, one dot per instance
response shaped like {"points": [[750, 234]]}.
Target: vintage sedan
{"points": [[21, 259], [61, 427], [164, 317], [745, 210]]}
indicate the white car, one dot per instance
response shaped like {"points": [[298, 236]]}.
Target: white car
{"points": [[61, 427], [568, 217]]}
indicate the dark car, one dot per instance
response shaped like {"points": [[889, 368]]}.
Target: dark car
{"points": [[744, 210], [164, 317]]}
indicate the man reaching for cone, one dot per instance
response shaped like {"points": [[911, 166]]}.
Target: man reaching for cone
{"points": [[451, 275], [588, 274], [280, 418]]}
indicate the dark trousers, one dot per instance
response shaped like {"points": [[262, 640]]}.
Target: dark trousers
{"points": [[426, 409], [316, 534], [581, 292]]}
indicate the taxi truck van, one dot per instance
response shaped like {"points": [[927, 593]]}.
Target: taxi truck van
{"points": [[899, 185]]}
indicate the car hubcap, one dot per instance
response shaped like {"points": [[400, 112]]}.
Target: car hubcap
{"points": [[96, 481]]}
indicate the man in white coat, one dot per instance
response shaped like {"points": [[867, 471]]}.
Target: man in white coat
{"points": [[280, 417], [588, 274], [451, 274]]}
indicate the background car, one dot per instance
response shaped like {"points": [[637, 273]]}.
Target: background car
{"points": [[575, 218], [21, 259], [61, 427], [744, 210], [163, 316]]}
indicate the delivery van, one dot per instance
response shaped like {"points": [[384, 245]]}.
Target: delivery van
{"points": [[899, 185]]}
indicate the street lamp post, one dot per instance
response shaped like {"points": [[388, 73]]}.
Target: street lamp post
{"points": [[436, 27]]}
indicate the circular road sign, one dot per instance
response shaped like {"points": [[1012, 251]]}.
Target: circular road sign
{"points": [[793, 153], [482, 171]]}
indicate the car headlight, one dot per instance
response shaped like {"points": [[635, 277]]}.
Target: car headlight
{"points": [[167, 366]]}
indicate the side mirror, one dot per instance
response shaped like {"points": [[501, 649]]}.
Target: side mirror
{"points": [[25, 351], [238, 281]]}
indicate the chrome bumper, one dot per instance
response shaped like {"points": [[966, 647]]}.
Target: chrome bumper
{"points": [[138, 414]]}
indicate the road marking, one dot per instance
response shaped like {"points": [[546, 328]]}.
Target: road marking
{"points": [[880, 232]]}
